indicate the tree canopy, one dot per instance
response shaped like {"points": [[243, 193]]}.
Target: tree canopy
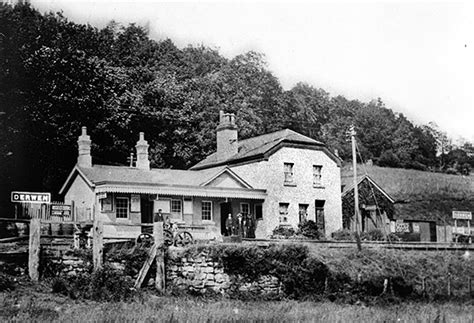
{"points": [[57, 75]]}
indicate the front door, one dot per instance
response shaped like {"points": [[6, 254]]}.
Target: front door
{"points": [[226, 208]]}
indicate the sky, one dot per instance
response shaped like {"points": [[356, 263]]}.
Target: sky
{"points": [[416, 56]]}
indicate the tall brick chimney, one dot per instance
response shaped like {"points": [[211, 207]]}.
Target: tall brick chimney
{"points": [[84, 159], [142, 153], [227, 143]]}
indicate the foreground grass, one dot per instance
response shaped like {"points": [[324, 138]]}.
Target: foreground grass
{"points": [[31, 305]]}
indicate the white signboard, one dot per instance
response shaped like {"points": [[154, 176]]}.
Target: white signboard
{"points": [[31, 197], [462, 215], [402, 227], [135, 203]]}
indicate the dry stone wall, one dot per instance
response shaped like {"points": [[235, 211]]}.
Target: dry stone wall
{"points": [[202, 274]]}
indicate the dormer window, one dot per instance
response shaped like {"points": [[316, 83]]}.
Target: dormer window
{"points": [[288, 170]]}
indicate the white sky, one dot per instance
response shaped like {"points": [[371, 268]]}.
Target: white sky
{"points": [[418, 57]]}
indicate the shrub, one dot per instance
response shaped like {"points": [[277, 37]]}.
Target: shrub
{"points": [[6, 283], [343, 234], [283, 231], [392, 237], [301, 275], [310, 230], [105, 284], [372, 235]]}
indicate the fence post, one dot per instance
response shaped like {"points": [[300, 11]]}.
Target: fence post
{"points": [[34, 248], [449, 285], [160, 282], [97, 244], [469, 285]]}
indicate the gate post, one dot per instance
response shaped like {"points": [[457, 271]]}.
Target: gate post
{"points": [[97, 244], [34, 248], [160, 281]]}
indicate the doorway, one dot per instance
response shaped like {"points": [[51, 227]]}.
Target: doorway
{"points": [[226, 208], [146, 208]]}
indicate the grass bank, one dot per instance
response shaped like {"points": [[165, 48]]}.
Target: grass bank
{"points": [[33, 305]]}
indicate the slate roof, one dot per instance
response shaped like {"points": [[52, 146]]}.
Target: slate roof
{"points": [[257, 147], [131, 175]]}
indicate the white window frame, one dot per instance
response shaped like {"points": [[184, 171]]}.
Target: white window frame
{"points": [[242, 209], [283, 215], [306, 207], [289, 173], [180, 207], [317, 176], [121, 208], [211, 215]]}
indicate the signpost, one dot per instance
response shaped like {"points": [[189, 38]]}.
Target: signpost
{"points": [[466, 216]]}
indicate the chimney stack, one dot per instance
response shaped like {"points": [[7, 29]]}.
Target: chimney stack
{"points": [[142, 153], [84, 158], [227, 143]]}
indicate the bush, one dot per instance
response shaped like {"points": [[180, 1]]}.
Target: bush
{"points": [[301, 275], [372, 235], [105, 284], [6, 283], [392, 237], [310, 230], [343, 234], [283, 231]]}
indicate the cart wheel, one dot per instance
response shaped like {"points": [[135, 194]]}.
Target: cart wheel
{"points": [[168, 237], [145, 239], [183, 239]]}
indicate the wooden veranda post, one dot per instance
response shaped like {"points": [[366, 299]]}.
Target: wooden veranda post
{"points": [[160, 254], [34, 248]]}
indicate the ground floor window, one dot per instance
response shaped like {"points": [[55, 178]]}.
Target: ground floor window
{"points": [[284, 212], [206, 210], [176, 207], [303, 212], [121, 207]]}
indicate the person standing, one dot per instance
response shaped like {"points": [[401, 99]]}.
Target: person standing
{"points": [[229, 225]]}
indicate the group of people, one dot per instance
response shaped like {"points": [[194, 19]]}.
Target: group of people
{"points": [[240, 225]]}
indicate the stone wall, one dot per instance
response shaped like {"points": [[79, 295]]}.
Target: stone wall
{"points": [[202, 274]]}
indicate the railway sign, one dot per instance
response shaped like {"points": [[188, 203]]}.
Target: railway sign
{"points": [[31, 197], [60, 209], [462, 215]]}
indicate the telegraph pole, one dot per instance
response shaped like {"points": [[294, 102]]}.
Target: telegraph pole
{"points": [[356, 191]]}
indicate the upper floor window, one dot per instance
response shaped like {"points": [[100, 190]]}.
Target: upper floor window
{"points": [[206, 211], [121, 207], [284, 212], [289, 176], [317, 175]]}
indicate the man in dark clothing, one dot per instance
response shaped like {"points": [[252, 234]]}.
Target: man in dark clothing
{"points": [[229, 225]]}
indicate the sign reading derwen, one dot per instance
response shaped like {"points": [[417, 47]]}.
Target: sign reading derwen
{"points": [[31, 197]]}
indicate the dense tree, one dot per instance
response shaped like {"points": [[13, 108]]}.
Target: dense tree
{"points": [[56, 75]]}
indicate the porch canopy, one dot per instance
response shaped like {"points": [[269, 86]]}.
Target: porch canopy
{"points": [[195, 191]]}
